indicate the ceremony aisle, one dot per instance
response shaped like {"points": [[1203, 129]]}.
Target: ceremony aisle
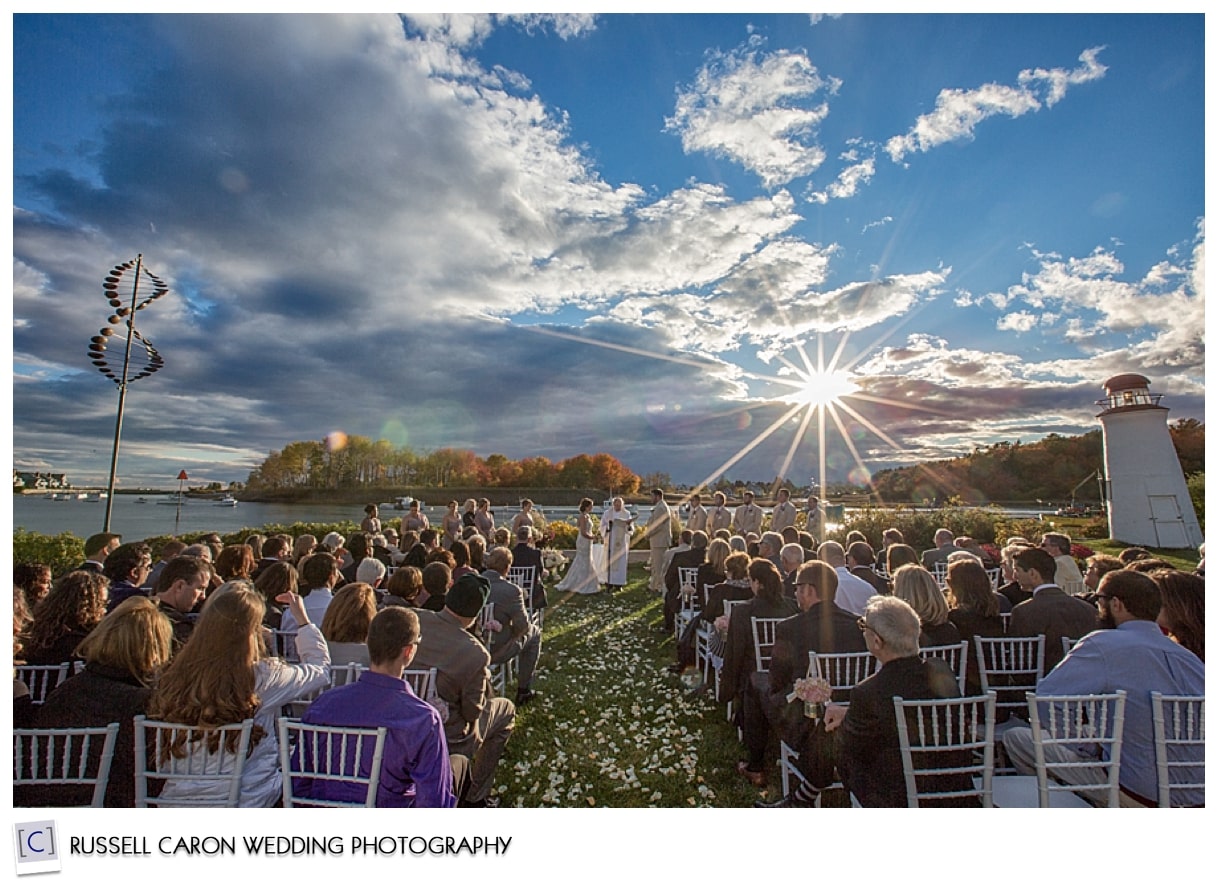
{"points": [[612, 727]]}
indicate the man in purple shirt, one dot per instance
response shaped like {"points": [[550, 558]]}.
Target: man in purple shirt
{"points": [[416, 770]]}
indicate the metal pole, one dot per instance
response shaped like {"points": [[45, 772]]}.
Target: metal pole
{"points": [[178, 517], [122, 394]]}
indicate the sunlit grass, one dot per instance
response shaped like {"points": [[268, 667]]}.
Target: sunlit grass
{"points": [[612, 727]]}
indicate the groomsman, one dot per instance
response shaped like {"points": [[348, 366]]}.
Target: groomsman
{"points": [[697, 515], [659, 536], [747, 518], [720, 516], [784, 512]]}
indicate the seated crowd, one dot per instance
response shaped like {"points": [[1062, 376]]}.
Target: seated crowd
{"points": [[211, 635]]}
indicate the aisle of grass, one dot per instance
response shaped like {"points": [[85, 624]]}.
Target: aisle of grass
{"points": [[612, 727]]}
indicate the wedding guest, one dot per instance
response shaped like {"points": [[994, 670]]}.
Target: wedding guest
{"points": [[1182, 615], [918, 588], [460, 555], [477, 551], [123, 656], [403, 587], [768, 602], [235, 562], [897, 556], [974, 610], [223, 675], [359, 546], [33, 580], [180, 588], [869, 754], [72, 608], [254, 541], [437, 578], [304, 545], [345, 625], [127, 567], [281, 578], [1098, 565], [169, 551], [712, 571], [318, 578], [371, 572]]}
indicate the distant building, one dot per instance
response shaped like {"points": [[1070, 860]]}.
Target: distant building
{"points": [[39, 481]]}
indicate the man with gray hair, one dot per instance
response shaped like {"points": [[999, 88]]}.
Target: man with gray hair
{"points": [[790, 557], [769, 546], [945, 544], [370, 571], [852, 592], [1067, 576], [869, 750]]}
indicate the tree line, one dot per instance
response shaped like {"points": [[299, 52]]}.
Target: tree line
{"points": [[361, 462], [1056, 468]]}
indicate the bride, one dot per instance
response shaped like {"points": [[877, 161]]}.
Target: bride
{"points": [[582, 577]]}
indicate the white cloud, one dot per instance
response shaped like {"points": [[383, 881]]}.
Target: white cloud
{"points": [[958, 111], [1017, 321], [757, 109]]}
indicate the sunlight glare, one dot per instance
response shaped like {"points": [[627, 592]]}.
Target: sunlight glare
{"points": [[820, 388]]}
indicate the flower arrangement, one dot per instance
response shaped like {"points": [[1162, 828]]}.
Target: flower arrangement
{"points": [[493, 625], [721, 624], [553, 560], [817, 690]]}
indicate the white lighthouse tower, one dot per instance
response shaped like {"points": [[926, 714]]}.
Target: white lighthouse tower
{"points": [[1148, 500]]}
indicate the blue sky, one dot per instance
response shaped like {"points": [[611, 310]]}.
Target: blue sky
{"points": [[539, 235]]}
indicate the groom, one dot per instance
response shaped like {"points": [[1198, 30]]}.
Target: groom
{"points": [[659, 536]]}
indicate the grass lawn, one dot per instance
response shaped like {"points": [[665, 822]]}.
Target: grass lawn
{"points": [[1181, 558], [612, 727]]}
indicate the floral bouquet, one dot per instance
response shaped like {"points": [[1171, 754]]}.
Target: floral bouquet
{"points": [[553, 560], [813, 692], [721, 624], [493, 625]]}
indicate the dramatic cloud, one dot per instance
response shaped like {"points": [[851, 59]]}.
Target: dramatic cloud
{"points": [[757, 109], [958, 111]]}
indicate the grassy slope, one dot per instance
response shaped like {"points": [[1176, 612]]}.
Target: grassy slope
{"points": [[612, 727]]}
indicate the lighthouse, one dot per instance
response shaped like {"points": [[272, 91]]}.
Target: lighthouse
{"points": [[1148, 500]]}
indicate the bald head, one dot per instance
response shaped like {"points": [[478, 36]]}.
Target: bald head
{"points": [[832, 553]]}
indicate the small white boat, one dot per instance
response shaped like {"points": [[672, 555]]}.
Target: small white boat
{"points": [[227, 501]]}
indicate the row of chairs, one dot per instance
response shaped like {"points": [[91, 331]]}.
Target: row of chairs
{"points": [[83, 757]]}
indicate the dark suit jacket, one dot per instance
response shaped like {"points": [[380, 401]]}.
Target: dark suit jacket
{"points": [[1012, 592], [721, 592], [1055, 614], [825, 627], [527, 556], [694, 557], [738, 658], [869, 757]]}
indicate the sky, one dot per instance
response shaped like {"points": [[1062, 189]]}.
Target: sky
{"points": [[814, 246]]}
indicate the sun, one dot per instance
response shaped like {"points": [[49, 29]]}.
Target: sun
{"points": [[819, 388]]}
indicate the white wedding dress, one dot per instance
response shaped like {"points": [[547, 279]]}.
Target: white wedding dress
{"points": [[584, 576]]}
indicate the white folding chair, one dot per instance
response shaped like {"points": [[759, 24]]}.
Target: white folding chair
{"points": [[1068, 644], [947, 748], [41, 679], [956, 656], [1006, 621], [763, 642], [940, 573], [347, 759], [995, 575], [341, 675], [422, 682], [1011, 667], [688, 580], [82, 756], [205, 763], [525, 578], [1076, 740], [843, 671], [1179, 735], [706, 646]]}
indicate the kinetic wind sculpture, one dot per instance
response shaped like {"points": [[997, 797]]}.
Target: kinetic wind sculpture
{"points": [[147, 360]]}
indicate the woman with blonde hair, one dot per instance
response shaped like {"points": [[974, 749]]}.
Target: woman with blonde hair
{"points": [[916, 586], [71, 609], [345, 624], [712, 572], [223, 675], [123, 656], [302, 546]]}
